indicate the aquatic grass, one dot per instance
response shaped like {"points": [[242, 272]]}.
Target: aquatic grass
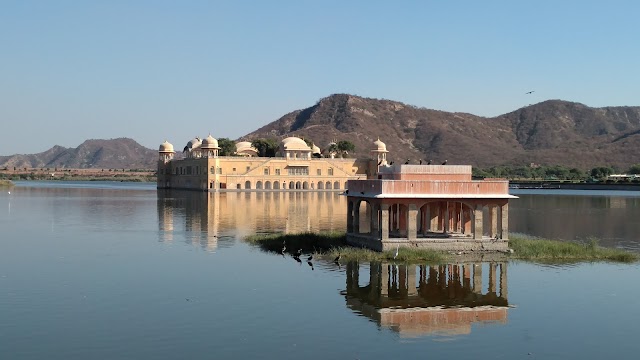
{"points": [[528, 248], [329, 244], [6, 183]]}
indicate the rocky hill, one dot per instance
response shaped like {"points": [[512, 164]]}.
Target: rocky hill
{"points": [[122, 153], [553, 132]]}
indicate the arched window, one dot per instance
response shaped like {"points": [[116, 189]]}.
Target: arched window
{"points": [[247, 184], [327, 185], [336, 185], [259, 185], [267, 185]]}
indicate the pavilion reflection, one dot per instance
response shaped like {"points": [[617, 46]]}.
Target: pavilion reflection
{"points": [[217, 218], [420, 300]]}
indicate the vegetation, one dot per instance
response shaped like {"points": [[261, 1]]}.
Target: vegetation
{"points": [[266, 147], [227, 147], [342, 148], [330, 245], [6, 183], [556, 172]]}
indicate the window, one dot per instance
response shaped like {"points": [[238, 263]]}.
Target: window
{"points": [[319, 172], [234, 169], [277, 171], [298, 170], [330, 171], [188, 170], [266, 171], [219, 170], [213, 170], [248, 168]]}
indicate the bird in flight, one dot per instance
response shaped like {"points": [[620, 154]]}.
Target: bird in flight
{"points": [[530, 92]]}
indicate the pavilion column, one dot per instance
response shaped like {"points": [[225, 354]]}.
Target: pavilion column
{"points": [[426, 222], [384, 222], [477, 222], [493, 220], [373, 220], [466, 276], [433, 216], [350, 216], [356, 217], [477, 278], [466, 221], [446, 218], [412, 227], [503, 280], [504, 222]]}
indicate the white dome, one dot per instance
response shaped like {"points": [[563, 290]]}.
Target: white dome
{"points": [[166, 147], [194, 143], [210, 143], [294, 143], [379, 146], [315, 149]]}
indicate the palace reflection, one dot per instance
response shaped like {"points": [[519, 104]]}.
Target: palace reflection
{"points": [[216, 218], [419, 300]]}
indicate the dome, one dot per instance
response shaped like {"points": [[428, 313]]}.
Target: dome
{"points": [[194, 144], [294, 143], [210, 143], [379, 146], [315, 149], [245, 146], [166, 147]]}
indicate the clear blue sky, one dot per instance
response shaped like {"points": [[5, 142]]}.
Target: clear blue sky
{"points": [[156, 70]]}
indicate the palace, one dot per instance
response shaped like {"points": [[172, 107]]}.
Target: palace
{"points": [[297, 166]]}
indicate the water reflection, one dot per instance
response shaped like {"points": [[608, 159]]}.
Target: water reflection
{"points": [[419, 300], [212, 219]]}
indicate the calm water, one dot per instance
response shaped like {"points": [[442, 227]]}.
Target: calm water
{"points": [[119, 271]]}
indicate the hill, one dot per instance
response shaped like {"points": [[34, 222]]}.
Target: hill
{"points": [[121, 153], [552, 132]]}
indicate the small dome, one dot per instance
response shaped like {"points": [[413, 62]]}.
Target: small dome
{"points": [[294, 143], [210, 143], [194, 144], [379, 146], [315, 149], [166, 147]]}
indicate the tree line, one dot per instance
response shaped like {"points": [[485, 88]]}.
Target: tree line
{"points": [[556, 172], [268, 147]]}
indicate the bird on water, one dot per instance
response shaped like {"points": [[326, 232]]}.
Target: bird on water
{"points": [[310, 257], [337, 259], [299, 252]]}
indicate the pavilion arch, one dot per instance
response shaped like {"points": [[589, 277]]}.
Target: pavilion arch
{"points": [[298, 185], [276, 185], [313, 186], [267, 185], [259, 185], [336, 185], [238, 186], [320, 185], [292, 185], [327, 185], [305, 185], [247, 184], [441, 216]]}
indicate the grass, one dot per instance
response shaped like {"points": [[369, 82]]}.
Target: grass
{"points": [[330, 245], [6, 183]]}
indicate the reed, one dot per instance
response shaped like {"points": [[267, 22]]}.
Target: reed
{"points": [[330, 245], [6, 183]]}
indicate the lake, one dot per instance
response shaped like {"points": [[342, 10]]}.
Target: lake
{"points": [[121, 271]]}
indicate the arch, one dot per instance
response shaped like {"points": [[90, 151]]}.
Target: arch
{"points": [[259, 185], [267, 185], [276, 185], [336, 185], [305, 185], [313, 186], [247, 184], [292, 185], [238, 186], [327, 185], [298, 185], [364, 211], [345, 185], [320, 185]]}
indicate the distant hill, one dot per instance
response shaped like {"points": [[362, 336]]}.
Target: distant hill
{"points": [[122, 153], [553, 132]]}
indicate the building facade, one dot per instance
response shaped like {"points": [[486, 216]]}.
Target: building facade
{"points": [[297, 166]]}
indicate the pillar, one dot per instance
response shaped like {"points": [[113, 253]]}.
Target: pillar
{"points": [[384, 222], [373, 220], [384, 279], [492, 278], [426, 223], [504, 221], [412, 226], [356, 217], [349, 216], [445, 224], [494, 220], [477, 222], [411, 280]]}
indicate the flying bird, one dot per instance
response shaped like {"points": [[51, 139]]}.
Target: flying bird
{"points": [[530, 92]]}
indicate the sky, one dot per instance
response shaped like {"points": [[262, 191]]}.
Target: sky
{"points": [[171, 70]]}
